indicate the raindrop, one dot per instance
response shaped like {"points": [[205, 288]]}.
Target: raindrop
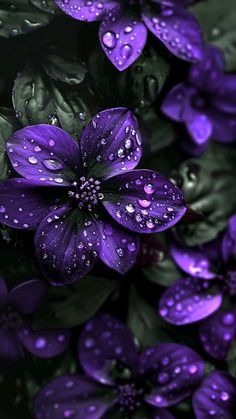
{"points": [[149, 188], [32, 160], [52, 164], [109, 39]]}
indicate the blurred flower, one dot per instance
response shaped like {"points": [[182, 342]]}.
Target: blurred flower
{"points": [[206, 103], [16, 309], [212, 271], [216, 396], [82, 196], [118, 380], [124, 24]]}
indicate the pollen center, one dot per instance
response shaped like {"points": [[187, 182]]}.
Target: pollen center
{"points": [[129, 397], [86, 192]]}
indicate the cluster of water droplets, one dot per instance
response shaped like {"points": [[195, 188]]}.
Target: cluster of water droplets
{"points": [[85, 10]]}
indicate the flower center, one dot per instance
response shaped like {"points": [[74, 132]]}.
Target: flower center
{"points": [[86, 192], [199, 102], [10, 319], [129, 397]]}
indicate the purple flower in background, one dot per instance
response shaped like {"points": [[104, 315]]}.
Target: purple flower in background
{"points": [[118, 380], [16, 309], [85, 200], [212, 274], [206, 104], [216, 397], [124, 24]]}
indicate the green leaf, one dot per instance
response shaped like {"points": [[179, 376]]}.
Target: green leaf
{"points": [[68, 70], [20, 16], [208, 185], [8, 125], [47, 6], [164, 272], [231, 359], [217, 22], [143, 320], [73, 305]]}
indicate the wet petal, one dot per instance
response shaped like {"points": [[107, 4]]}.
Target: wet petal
{"points": [[67, 243], [217, 333], [111, 143], [176, 101], [45, 343], [143, 201], [19, 296], [23, 204], [176, 28], [216, 397], [207, 74], [72, 396], [228, 244], [200, 128], [197, 261], [85, 10], [174, 370], [45, 154], [189, 300], [104, 342], [119, 248], [122, 36], [11, 351]]}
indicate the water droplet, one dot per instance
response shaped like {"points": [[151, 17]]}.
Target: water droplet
{"points": [[144, 203], [89, 343], [130, 208], [109, 39], [126, 51], [149, 188], [40, 343], [32, 160], [52, 164]]}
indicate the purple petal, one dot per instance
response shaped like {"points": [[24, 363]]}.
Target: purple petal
{"points": [[216, 397], [176, 101], [189, 300], [66, 242], [176, 28], [85, 10], [207, 74], [3, 291], [103, 341], [225, 97], [45, 154], [111, 143], [143, 201], [22, 204], [174, 370], [200, 128], [72, 396], [119, 248], [11, 351], [197, 261], [19, 296], [217, 333], [228, 244], [224, 125], [45, 343], [122, 36]]}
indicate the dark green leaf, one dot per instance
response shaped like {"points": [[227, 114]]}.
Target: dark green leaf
{"points": [[47, 6], [231, 360], [164, 272], [20, 16], [208, 185], [217, 21], [68, 70], [75, 304], [8, 124]]}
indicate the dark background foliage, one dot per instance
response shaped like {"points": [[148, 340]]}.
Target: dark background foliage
{"points": [[53, 71]]}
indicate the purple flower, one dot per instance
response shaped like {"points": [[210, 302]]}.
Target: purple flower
{"points": [[212, 274], [120, 380], [206, 104], [16, 309], [124, 24], [84, 199], [216, 396]]}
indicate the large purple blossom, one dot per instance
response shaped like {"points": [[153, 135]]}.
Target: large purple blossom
{"points": [[124, 24], [206, 104], [85, 200], [118, 380], [212, 275], [16, 309]]}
